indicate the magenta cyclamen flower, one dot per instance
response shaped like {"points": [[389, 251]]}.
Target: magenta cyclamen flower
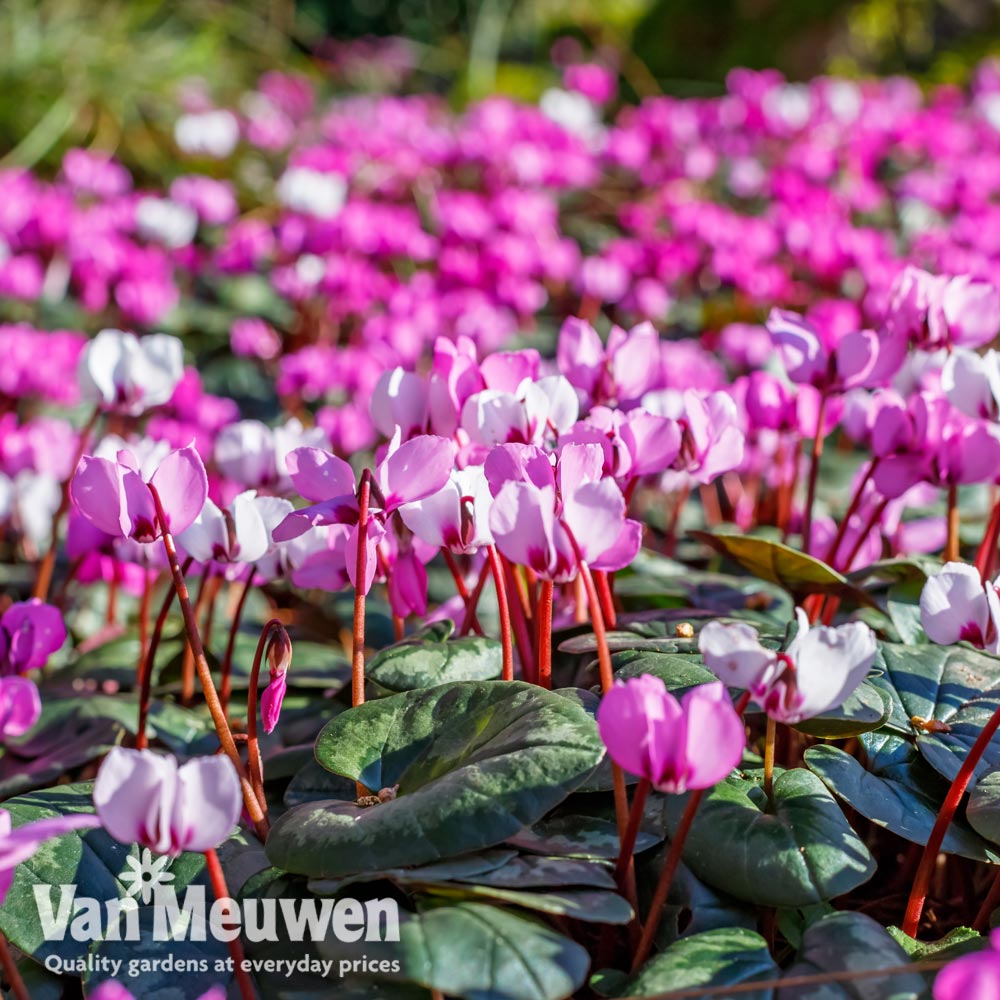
{"points": [[675, 745], [279, 659], [116, 496], [29, 632], [145, 798], [972, 977], [956, 606], [17, 845], [20, 706], [112, 990], [821, 668]]}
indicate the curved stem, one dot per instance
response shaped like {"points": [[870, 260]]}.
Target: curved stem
{"points": [[145, 680], [520, 625], [503, 606], [543, 634], [254, 762], [219, 888], [360, 575], [990, 903], [44, 578], [817, 452], [922, 879], [11, 971], [226, 678], [148, 579], [225, 735]]}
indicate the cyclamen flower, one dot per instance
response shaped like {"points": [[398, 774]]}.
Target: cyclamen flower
{"points": [[128, 375], [279, 659], [675, 745], [29, 632], [115, 496], [972, 977], [457, 516], [538, 513], [110, 989], [254, 455], [145, 798], [20, 706], [821, 668], [18, 844], [956, 606], [409, 472], [238, 533]]}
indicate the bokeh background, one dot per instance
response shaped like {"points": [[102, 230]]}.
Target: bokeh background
{"points": [[106, 73]]}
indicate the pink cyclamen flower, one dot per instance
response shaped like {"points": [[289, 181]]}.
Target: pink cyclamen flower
{"points": [[675, 745], [144, 798], [237, 533], [972, 977], [279, 659], [19, 844], [116, 496], [20, 706], [956, 606], [820, 669], [29, 632], [110, 989], [120, 372]]}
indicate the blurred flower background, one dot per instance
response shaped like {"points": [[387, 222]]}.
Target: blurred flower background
{"points": [[106, 73]]}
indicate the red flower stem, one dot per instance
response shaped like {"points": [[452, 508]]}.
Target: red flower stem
{"points": [[674, 520], [111, 613], [832, 603], [816, 454], [986, 553], [813, 605], [12, 973], [43, 580], [187, 668], [148, 579], [471, 622], [225, 735], [852, 509], [462, 589], [145, 679], [503, 606], [221, 891], [226, 678], [543, 634], [925, 870], [631, 831], [876, 516], [521, 636], [255, 764], [951, 548], [990, 903], [673, 859], [360, 575], [603, 581]]}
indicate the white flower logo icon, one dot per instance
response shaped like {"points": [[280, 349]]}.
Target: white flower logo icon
{"points": [[146, 873]]}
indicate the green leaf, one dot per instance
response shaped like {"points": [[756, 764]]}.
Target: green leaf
{"points": [[726, 956], [852, 942], [475, 763], [767, 560], [899, 792], [678, 672], [587, 837], [983, 810], [956, 687], [802, 852], [865, 710], [431, 658], [588, 905], [478, 952]]}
